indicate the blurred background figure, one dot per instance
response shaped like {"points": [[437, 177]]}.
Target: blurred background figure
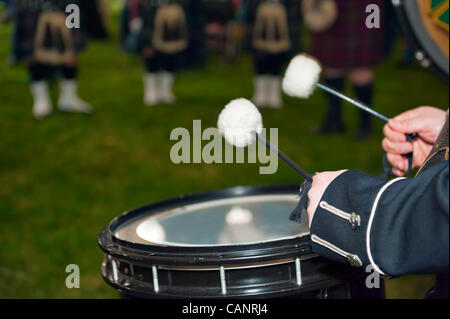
{"points": [[235, 32], [94, 20], [273, 26], [6, 13], [159, 31], [343, 43], [6, 16], [47, 46], [221, 16]]}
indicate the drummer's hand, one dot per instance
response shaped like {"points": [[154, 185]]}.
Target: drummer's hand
{"points": [[427, 121], [321, 181]]}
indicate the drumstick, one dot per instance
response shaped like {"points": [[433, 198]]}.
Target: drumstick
{"points": [[358, 104], [240, 123], [352, 101], [302, 76], [284, 157]]}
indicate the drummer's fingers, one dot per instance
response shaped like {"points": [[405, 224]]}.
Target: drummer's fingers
{"points": [[397, 161], [409, 116], [398, 172], [392, 135], [397, 148]]}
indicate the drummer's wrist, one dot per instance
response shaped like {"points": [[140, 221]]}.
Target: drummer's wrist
{"points": [[340, 224], [321, 182]]}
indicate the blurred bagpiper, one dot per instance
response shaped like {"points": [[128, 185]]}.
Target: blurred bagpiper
{"points": [[47, 45], [273, 26], [158, 31]]}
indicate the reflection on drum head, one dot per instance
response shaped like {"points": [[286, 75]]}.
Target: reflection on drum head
{"points": [[238, 216], [232, 221], [152, 231]]}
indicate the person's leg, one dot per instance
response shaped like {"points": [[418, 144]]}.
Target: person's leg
{"points": [[261, 80], [151, 95], [39, 75], [362, 81], [167, 77], [276, 64], [333, 120], [69, 101]]}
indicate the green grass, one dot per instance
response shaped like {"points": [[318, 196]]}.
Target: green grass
{"points": [[63, 179]]}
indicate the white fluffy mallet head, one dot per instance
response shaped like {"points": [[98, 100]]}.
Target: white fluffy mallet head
{"points": [[301, 76], [238, 121]]}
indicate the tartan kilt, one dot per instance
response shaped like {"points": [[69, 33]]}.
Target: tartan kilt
{"points": [[25, 27], [349, 43]]}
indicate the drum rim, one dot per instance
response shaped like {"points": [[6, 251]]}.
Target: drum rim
{"points": [[203, 255], [403, 9]]}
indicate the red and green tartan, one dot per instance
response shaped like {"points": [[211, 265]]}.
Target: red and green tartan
{"points": [[349, 43]]}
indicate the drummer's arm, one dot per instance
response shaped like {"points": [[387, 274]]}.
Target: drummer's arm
{"points": [[403, 223]]}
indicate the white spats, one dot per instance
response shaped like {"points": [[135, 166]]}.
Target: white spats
{"points": [[275, 100], [158, 88], [152, 231], [267, 91], [150, 93], [238, 121], [301, 76], [238, 216], [261, 86], [42, 106], [69, 101], [166, 91]]}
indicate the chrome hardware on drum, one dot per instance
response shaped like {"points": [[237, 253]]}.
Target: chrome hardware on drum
{"points": [[229, 243]]}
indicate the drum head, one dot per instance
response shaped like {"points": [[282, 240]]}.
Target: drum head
{"points": [[230, 221], [426, 25], [235, 225]]}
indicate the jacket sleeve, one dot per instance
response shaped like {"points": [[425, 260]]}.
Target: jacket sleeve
{"points": [[400, 227]]}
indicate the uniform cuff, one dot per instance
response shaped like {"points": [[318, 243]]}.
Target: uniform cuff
{"points": [[340, 225]]}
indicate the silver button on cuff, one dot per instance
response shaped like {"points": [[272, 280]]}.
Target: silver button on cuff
{"points": [[355, 221]]}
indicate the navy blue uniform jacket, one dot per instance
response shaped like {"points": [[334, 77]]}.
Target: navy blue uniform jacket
{"points": [[399, 227]]}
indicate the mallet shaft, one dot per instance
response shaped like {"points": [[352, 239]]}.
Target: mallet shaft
{"points": [[352, 101], [284, 157], [361, 105]]}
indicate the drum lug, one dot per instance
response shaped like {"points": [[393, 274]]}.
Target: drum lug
{"points": [[114, 270], [155, 279], [298, 272], [223, 282]]}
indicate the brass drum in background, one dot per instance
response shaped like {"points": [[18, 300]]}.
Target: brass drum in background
{"points": [[426, 26]]}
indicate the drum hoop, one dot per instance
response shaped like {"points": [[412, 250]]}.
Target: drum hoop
{"points": [[416, 38], [203, 255]]}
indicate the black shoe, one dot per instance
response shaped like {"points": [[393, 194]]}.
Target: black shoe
{"points": [[331, 126]]}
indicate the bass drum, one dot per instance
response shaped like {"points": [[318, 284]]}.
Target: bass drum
{"points": [[232, 243], [426, 26]]}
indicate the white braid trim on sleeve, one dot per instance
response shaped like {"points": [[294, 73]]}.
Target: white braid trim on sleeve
{"points": [[369, 226]]}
